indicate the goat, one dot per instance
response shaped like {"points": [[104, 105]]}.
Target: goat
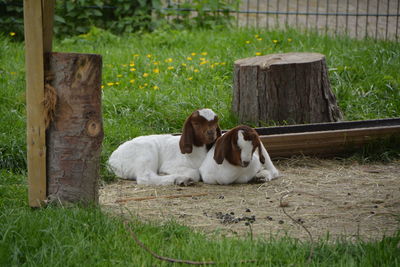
{"points": [[232, 159], [166, 159]]}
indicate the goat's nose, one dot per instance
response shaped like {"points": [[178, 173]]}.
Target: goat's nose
{"points": [[245, 163]]}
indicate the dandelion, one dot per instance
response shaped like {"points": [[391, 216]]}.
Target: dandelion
{"points": [[223, 63], [189, 58], [110, 84], [258, 53], [275, 41], [212, 66], [124, 65], [256, 36], [248, 42], [132, 81], [196, 70], [132, 69], [193, 54], [170, 68], [168, 60], [190, 78], [102, 86], [13, 73], [145, 85], [204, 53], [202, 59], [149, 55], [289, 40], [156, 70], [183, 64], [203, 62], [117, 83], [259, 39], [12, 33], [145, 74], [119, 75], [132, 64], [156, 62], [155, 87], [136, 55]]}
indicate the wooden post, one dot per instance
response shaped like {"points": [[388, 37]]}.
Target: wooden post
{"points": [[38, 28], [291, 88], [75, 135]]}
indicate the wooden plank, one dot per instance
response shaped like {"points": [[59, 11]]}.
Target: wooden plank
{"points": [[36, 131], [324, 142]]}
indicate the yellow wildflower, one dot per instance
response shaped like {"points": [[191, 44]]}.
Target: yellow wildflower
{"points": [[102, 86], [202, 59], [155, 87], [117, 83], [132, 69], [275, 41], [156, 62], [124, 65], [289, 40], [248, 42], [189, 58], [132, 81], [204, 53], [135, 55], [149, 55], [132, 64], [184, 64], [156, 70], [190, 78], [258, 54], [110, 84], [145, 84], [119, 75], [193, 54], [12, 33], [256, 36], [13, 73], [259, 39], [196, 70], [170, 68], [168, 60], [203, 62], [145, 74]]}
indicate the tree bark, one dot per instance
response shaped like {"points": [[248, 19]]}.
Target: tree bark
{"points": [[285, 88], [75, 135]]}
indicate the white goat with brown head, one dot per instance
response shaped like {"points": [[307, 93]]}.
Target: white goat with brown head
{"points": [[233, 159], [167, 159]]}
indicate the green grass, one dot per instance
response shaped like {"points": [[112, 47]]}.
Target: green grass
{"points": [[364, 75]]}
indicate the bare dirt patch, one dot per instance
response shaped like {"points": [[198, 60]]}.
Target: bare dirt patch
{"points": [[346, 199]]}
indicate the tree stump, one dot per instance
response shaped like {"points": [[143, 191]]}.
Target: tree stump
{"points": [[75, 135], [286, 88]]}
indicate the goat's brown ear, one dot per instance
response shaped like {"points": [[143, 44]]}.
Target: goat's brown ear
{"points": [[219, 153], [186, 141], [260, 154], [219, 133], [222, 147]]}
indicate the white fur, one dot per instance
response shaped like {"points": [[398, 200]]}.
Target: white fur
{"points": [[146, 158], [207, 114], [158, 160], [226, 173]]}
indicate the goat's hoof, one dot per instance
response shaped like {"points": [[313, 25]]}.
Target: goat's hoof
{"points": [[185, 182]]}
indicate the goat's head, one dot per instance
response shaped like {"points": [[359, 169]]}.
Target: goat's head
{"points": [[200, 128], [237, 146]]}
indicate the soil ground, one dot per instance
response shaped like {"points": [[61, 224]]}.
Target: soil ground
{"points": [[342, 198]]}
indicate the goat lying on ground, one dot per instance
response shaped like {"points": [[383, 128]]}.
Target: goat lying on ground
{"points": [[232, 159], [167, 159]]}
